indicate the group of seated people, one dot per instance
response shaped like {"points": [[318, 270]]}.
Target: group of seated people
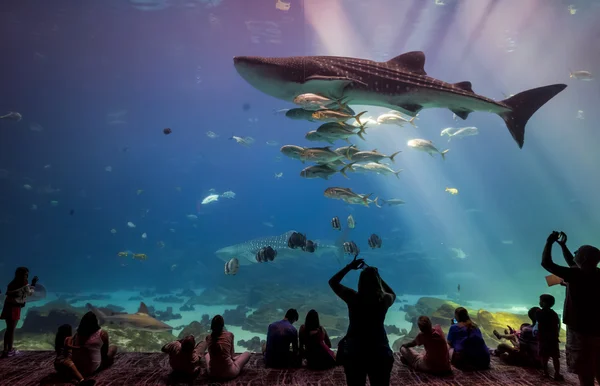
{"points": [[364, 351]]}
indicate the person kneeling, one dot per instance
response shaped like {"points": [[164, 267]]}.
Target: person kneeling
{"points": [[436, 358]]}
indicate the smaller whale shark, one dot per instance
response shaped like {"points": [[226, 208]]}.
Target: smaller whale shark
{"points": [[400, 83], [246, 251], [140, 321]]}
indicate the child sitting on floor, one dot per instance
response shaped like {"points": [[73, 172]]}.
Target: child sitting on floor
{"points": [[185, 357], [436, 358]]}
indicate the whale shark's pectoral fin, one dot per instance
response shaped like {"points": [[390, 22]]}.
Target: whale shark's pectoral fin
{"points": [[332, 86], [464, 113], [410, 61], [409, 109]]}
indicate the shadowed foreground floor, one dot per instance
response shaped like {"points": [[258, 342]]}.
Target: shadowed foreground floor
{"points": [[36, 367]]}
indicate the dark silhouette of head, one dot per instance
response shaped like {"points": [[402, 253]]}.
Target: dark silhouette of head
{"points": [[188, 343], [424, 324], [292, 315], [532, 313], [462, 316], [312, 322], [547, 301], [369, 283], [587, 257], [21, 278], [87, 326], [63, 333], [217, 325]]}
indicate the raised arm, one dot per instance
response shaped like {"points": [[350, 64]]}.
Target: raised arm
{"points": [[548, 264], [341, 290], [388, 291]]}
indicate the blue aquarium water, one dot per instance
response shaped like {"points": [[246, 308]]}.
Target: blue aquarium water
{"points": [[142, 160]]}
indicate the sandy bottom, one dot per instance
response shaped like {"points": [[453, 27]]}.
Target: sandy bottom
{"points": [[121, 298]]}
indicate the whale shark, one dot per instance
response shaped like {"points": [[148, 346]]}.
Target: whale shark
{"points": [[400, 83], [246, 251]]}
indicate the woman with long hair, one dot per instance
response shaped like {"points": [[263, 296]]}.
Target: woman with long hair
{"points": [[315, 344], [366, 349], [92, 350], [221, 362], [63, 363], [16, 295], [467, 347]]}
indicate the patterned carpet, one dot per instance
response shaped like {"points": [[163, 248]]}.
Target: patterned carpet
{"points": [[36, 368]]}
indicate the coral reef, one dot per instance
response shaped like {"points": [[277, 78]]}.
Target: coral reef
{"points": [[87, 298], [114, 308], [199, 330], [186, 307], [237, 316], [136, 298], [186, 293], [253, 345], [166, 315]]}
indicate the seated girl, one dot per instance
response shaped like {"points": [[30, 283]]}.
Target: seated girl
{"points": [[221, 362], [468, 350], [315, 344]]}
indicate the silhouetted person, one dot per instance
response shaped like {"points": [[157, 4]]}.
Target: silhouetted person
{"points": [[16, 296], [185, 357], [91, 349], [548, 329], [436, 358], [63, 363], [582, 308], [468, 349], [315, 344], [525, 348], [221, 361], [281, 348], [366, 350]]}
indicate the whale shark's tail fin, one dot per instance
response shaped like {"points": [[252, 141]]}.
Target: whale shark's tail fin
{"points": [[523, 105]]}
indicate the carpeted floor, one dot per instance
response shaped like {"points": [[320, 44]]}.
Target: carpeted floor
{"points": [[36, 367]]}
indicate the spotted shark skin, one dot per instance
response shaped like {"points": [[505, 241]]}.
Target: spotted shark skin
{"points": [[246, 251], [400, 83]]}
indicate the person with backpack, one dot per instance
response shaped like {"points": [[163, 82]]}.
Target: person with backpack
{"points": [[468, 350]]}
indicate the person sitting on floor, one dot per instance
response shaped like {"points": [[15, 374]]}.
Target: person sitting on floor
{"points": [[524, 349], [91, 349], [63, 363], [436, 358], [315, 344], [547, 330], [468, 349], [185, 357], [280, 336], [221, 362]]}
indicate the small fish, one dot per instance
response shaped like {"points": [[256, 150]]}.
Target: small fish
{"points": [[108, 168], [242, 141], [320, 155], [232, 266], [130, 224], [458, 288], [192, 217], [212, 135], [427, 147], [335, 116], [392, 202], [173, 267], [340, 130], [464, 132], [581, 75], [54, 203], [300, 114], [210, 198], [266, 254], [351, 248], [374, 241], [139, 256], [33, 207], [144, 235], [448, 131], [580, 114], [272, 143], [12, 116], [394, 118], [351, 223], [458, 253], [113, 231], [228, 194], [335, 223], [347, 151], [123, 254], [371, 167], [452, 191], [316, 102], [279, 175], [372, 156], [349, 197], [318, 171], [292, 151], [27, 187], [160, 244]]}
